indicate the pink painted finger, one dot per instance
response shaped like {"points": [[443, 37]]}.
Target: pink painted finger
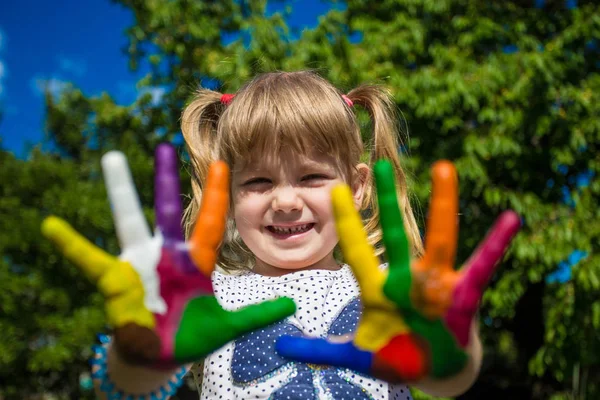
{"points": [[478, 272]]}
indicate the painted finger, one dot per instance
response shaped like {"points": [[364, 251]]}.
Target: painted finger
{"points": [[221, 326], [442, 222], [167, 193], [358, 253], [210, 225], [93, 261], [397, 286], [477, 274], [392, 223], [260, 315], [130, 223], [322, 352]]}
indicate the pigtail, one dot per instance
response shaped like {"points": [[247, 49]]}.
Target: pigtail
{"points": [[385, 144], [199, 127]]}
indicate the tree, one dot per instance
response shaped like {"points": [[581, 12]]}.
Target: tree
{"points": [[507, 90]]}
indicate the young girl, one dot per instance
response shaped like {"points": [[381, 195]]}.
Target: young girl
{"points": [[288, 138]]}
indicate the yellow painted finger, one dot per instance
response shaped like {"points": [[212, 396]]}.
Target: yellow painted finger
{"points": [[92, 260], [117, 280], [380, 320], [358, 253]]}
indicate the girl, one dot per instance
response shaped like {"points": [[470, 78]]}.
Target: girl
{"points": [[289, 138]]}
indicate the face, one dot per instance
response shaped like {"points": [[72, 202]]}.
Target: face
{"points": [[282, 209]]}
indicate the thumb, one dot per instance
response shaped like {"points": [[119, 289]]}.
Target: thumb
{"points": [[321, 351]]}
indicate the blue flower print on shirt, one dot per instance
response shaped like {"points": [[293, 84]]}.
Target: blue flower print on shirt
{"points": [[255, 361]]}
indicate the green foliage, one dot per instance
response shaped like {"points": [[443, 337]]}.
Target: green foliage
{"points": [[507, 91]]}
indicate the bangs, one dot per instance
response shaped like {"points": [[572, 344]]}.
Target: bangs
{"points": [[298, 112]]}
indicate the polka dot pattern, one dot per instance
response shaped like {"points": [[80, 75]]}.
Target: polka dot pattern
{"points": [[348, 319], [254, 354], [327, 305]]}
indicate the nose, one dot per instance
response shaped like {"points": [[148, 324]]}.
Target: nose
{"points": [[286, 199]]}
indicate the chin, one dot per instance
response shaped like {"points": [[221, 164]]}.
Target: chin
{"points": [[292, 264]]}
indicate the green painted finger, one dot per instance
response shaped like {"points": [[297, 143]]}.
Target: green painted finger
{"points": [[397, 286], [392, 223], [205, 326], [260, 315]]}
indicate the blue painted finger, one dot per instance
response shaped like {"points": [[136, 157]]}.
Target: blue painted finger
{"points": [[321, 351]]}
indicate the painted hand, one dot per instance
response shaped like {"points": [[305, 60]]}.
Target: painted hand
{"points": [[159, 296], [416, 316]]}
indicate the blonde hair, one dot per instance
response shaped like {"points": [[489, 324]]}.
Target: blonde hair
{"points": [[302, 112]]}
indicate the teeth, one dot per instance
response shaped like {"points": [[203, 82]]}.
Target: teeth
{"points": [[288, 231]]}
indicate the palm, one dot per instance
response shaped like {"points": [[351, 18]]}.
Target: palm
{"points": [[416, 317], [159, 293]]}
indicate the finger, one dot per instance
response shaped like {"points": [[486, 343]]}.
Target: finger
{"points": [[167, 193], [210, 225], [204, 318], [358, 253], [130, 222], [93, 261], [320, 351], [392, 224], [480, 267], [479, 270], [260, 315], [442, 223], [397, 286]]}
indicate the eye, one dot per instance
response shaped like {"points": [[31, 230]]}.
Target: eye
{"points": [[313, 177], [256, 181]]}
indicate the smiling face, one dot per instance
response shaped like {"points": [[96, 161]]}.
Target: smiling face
{"points": [[282, 210]]}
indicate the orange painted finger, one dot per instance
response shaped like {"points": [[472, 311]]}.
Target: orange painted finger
{"points": [[210, 225], [442, 222]]}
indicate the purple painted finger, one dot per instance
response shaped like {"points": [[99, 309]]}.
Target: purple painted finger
{"points": [[166, 193], [479, 270]]}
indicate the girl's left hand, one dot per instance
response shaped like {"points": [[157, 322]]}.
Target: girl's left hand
{"points": [[417, 316]]}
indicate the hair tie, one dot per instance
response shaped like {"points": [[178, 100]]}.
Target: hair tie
{"points": [[347, 100], [226, 98]]}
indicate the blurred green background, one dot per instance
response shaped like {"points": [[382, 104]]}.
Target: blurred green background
{"points": [[507, 90]]}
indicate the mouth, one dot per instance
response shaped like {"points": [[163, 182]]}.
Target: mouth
{"points": [[283, 232]]}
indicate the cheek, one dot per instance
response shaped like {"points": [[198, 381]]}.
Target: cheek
{"points": [[247, 211], [321, 204]]}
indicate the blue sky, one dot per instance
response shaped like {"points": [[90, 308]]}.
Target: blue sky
{"points": [[53, 42]]}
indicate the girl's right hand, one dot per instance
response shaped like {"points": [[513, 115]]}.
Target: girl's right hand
{"points": [[159, 296], [418, 314]]}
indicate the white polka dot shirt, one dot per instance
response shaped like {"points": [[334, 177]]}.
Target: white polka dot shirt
{"points": [[328, 304]]}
